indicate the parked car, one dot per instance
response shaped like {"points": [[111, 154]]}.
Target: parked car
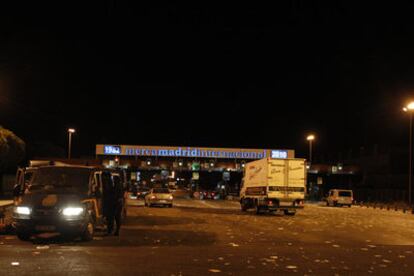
{"points": [[338, 197], [209, 195], [159, 196]]}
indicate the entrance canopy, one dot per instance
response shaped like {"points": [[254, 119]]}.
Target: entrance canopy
{"points": [[192, 152]]}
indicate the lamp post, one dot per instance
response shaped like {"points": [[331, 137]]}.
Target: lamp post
{"points": [[70, 132], [310, 138], [409, 108]]}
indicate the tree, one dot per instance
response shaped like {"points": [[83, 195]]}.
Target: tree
{"points": [[12, 149]]}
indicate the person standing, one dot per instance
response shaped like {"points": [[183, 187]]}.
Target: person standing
{"points": [[118, 203], [114, 204], [108, 201]]}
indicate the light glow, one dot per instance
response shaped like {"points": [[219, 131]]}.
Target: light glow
{"points": [[72, 211], [22, 210], [310, 137]]}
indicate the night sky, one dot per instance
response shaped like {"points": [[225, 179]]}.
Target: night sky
{"points": [[212, 75]]}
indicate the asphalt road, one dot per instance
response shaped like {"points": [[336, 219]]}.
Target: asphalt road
{"points": [[215, 237]]}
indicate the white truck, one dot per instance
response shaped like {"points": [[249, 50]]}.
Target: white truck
{"points": [[274, 184]]}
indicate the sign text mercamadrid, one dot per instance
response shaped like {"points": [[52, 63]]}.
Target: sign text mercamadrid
{"points": [[196, 152]]}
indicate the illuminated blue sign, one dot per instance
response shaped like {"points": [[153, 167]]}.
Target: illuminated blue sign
{"points": [[192, 152], [197, 152], [280, 154], [116, 150]]}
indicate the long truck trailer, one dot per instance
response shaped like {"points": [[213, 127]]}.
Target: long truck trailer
{"points": [[274, 184]]}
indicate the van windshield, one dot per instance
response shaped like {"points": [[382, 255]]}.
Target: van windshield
{"points": [[345, 193], [61, 178]]}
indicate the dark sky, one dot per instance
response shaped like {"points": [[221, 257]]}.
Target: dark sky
{"points": [[209, 75]]}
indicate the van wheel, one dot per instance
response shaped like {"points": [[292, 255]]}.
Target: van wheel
{"points": [[87, 235], [23, 235]]}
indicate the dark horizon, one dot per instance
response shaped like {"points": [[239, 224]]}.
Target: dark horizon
{"points": [[227, 76]]}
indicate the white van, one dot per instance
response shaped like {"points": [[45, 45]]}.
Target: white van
{"points": [[338, 197]]}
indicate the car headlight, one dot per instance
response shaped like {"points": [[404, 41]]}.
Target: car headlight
{"points": [[22, 210], [72, 211]]}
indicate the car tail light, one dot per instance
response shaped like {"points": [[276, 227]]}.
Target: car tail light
{"points": [[270, 202], [213, 194]]}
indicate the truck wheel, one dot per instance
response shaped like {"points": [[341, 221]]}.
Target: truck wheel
{"points": [[289, 213], [243, 205], [258, 209], [23, 235]]}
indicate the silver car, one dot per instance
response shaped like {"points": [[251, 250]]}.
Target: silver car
{"points": [[159, 196]]}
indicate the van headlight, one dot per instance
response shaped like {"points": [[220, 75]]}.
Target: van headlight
{"points": [[23, 210], [72, 211]]}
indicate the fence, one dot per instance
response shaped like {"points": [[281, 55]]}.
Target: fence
{"points": [[395, 206]]}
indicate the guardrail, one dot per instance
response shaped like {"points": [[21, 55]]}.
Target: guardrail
{"points": [[387, 206]]}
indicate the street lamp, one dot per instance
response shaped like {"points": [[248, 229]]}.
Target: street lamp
{"points": [[70, 132], [310, 138], [409, 108]]}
